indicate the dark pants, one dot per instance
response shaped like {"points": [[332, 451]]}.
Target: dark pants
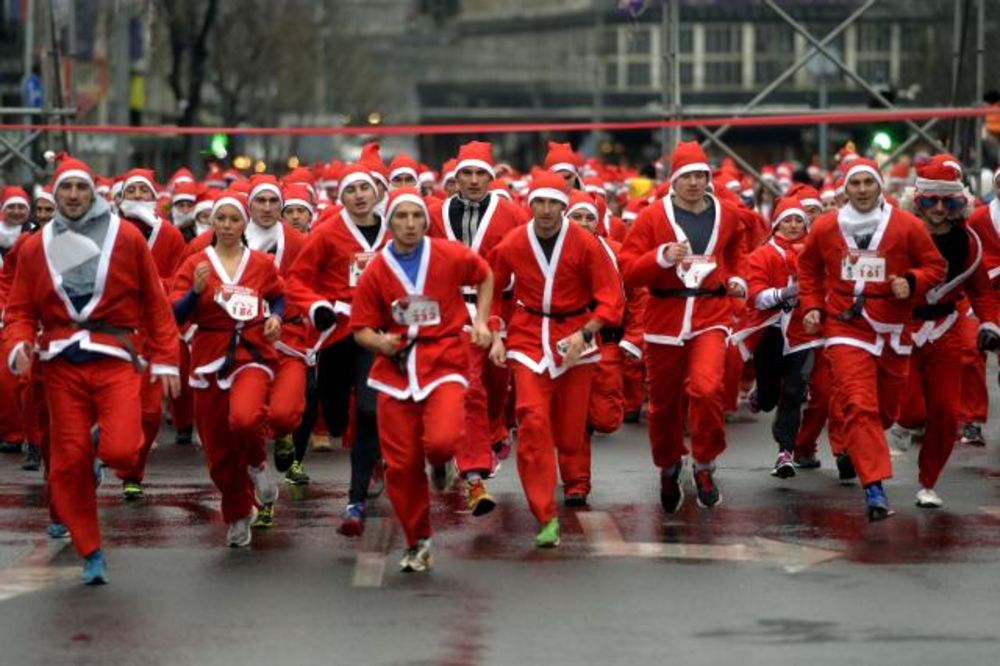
{"points": [[782, 382], [309, 416], [341, 367]]}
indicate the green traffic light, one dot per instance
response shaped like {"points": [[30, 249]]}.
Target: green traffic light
{"points": [[882, 141], [219, 145]]}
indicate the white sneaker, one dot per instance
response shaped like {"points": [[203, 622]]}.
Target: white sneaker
{"points": [[928, 499], [264, 486], [240, 534], [900, 437], [417, 559]]}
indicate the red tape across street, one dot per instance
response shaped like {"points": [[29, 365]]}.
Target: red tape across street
{"points": [[832, 118]]}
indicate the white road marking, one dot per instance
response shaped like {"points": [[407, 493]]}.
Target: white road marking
{"points": [[31, 571], [369, 567]]}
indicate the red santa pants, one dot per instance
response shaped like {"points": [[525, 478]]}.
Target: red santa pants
{"points": [[11, 423], [551, 416], [287, 401], [475, 453], [410, 433], [694, 370], [975, 398], [607, 392], [231, 425], [182, 407], [151, 401], [633, 381], [79, 394], [937, 402], [819, 411], [868, 389], [498, 397], [732, 378]]}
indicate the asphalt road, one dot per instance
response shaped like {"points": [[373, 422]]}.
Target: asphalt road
{"points": [[783, 572]]}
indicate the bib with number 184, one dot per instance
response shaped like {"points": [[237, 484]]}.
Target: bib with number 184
{"points": [[240, 303]]}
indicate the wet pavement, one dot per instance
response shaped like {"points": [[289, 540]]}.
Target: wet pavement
{"points": [[783, 572]]}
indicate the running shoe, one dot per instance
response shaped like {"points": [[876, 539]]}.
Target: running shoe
{"points": [[265, 517], [352, 521], [95, 569], [503, 447], [972, 434], [671, 492], [706, 490], [185, 437], [10, 447], [479, 500], [240, 531], [575, 500], [877, 503], [321, 442], [752, 404], [377, 483], [631, 417], [98, 473], [807, 461], [928, 499], [295, 475], [548, 536], [442, 476], [900, 437], [845, 469], [284, 453], [418, 558], [32, 458], [132, 490], [57, 531], [264, 486], [784, 468]]}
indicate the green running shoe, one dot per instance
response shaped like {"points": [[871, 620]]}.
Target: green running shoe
{"points": [[548, 536], [132, 490], [265, 517], [295, 475], [284, 453]]}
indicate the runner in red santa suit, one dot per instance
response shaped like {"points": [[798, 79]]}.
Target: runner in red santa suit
{"points": [[138, 207], [934, 388], [89, 283], [409, 314], [15, 212], [322, 282], [566, 290], [235, 298], [783, 353], [860, 272], [479, 219], [687, 249]]}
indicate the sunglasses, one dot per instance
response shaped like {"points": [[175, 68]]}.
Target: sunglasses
{"points": [[950, 203]]}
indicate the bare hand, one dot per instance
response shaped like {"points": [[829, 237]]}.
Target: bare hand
{"points": [[201, 272], [498, 354], [22, 360], [272, 329], [675, 252], [736, 290], [576, 346], [171, 385], [388, 343], [900, 287], [481, 335], [811, 321]]}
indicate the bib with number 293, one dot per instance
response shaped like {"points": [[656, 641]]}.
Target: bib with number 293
{"points": [[864, 265], [240, 303]]}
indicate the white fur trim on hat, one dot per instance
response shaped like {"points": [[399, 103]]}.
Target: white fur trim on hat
{"points": [[17, 199], [563, 166], [809, 201], [788, 212], [595, 189], [265, 187], [549, 193], [184, 196], [298, 202], [202, 206], [479, 164], [74, 173], [590, 208], [403, 171], [43, 194], [139, 180], [688, 168], [351, 179], [942, 187], [426, 177], [235, 203], [408, 198], [862, 168]]}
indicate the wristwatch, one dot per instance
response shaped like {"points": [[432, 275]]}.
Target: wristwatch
{"points": [[588, 335]]}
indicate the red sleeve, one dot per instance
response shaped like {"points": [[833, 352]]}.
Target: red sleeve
{"points": [[305, 272], [979, 288], [367, 304], [605, 284], [474, 267], [641, 266], [502, 272], [811, 268], [183, 278], [158, 317], [758, 274], [21, 314]]}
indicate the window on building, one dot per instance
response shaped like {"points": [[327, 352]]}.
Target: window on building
{"points": [[875, 71], [774, 38], [723, 74], [638, 75], [723, 38], [687, 74], [639, 41], [686, 39], [611, 75], [873, 38]]}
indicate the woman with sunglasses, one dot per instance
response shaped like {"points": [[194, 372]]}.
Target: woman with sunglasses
{"points": [[934, 388]]}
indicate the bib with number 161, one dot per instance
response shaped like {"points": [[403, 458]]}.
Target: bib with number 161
{"points": [[863, 265]]}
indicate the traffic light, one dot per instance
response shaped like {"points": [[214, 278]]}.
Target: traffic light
{"points": [[883, 141], [219, 146]]}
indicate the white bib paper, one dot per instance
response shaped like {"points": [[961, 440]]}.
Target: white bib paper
{"points": [[416, 311], [863, 265], [70, 249], [240, 303], [359, 262], [694, 268]]}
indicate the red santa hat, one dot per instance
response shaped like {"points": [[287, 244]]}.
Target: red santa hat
{"points": [[595, 186], [828, 193], [900, 172], [352, 174], [330, 175], [448, 170], [582, 201], [426, 176], [185, 190], [140, 177], [182, 175], [206, 200], [371, 158], [478, 154], [806, 194], [300, 174], [767, 174], [298, 194], [70, 167], [45, 192], [548, 185], [215, 178], [403, 165], [406, 195], [788, 206], [942, 175], [861, 165], [687, 157], [633, 208], [264, 182], [234, 198], [561, 157], [13, 195], [500, 187]]}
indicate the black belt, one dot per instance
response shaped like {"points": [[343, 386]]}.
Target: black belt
{"points": [[931, 312], [237, 340], [119, 333], [471, 298], [558, 316], [612, 334], [687, 292], [400, 357], [856, 307]]}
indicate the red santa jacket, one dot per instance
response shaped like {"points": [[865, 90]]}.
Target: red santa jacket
{"points": [[669, 319], [8, 266], [901, 240], [128, 297], [167, 245], [434, 353], [985, 221], [554, 298], [216, 329], [771, 268], [327, 271]]}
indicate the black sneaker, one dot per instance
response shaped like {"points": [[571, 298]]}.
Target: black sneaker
{"points": [[707, 492], [575, 500], [631, 417], [972, 434], [671, 492], [845, 468], [184, 437], [32, 458], [10, 447], [807, 461], [284, 453]]}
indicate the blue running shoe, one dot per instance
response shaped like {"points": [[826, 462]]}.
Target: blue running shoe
{"points": [[98, 473], [877, 502], [95, 569], [57, 531], [352, 521]]}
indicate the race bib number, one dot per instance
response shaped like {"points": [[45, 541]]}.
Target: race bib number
{"points": [[416, 311], [694, 268], [588, 347], [359, 262], [863, 265], [240, 303]]}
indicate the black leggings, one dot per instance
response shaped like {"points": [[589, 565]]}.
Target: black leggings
{"points": [[309, 416], [782, 382], [342, 366]]}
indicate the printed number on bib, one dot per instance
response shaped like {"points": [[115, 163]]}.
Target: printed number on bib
{"points": [[416, 311], [588, 347], [694, 268], [240, 303], [863, 265], [359, 262]]}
